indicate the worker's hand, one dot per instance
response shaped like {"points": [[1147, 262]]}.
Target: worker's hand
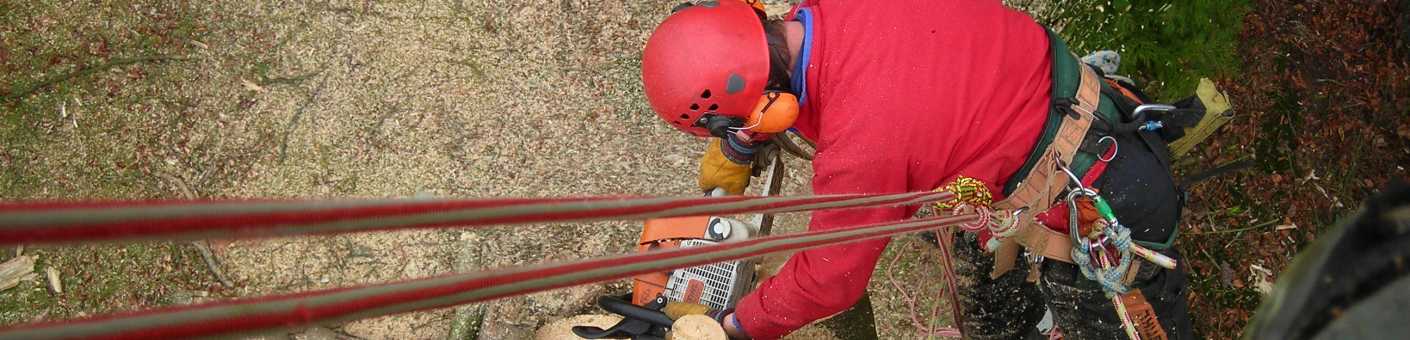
{"points": [[718, 170]]}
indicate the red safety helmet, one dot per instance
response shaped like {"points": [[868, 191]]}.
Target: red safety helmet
{"points": [[707, 59]]}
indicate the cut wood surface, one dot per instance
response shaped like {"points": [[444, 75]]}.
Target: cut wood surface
{"points": [[16, 270], [696, 327]]}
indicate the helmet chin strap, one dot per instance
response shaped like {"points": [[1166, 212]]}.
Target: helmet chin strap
{"points": [[722, 126]]}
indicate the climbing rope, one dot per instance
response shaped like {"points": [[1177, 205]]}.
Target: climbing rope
{"points": [[928, 326], [53, 222], [274, 313], [1085, 247]]}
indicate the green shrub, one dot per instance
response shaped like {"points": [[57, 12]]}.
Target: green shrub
{"points": [[1165, 46]]}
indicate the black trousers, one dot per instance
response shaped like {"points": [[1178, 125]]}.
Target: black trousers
{"points": [[1143, 196]]}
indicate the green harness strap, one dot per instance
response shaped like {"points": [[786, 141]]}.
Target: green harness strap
{"points": [[1066, 78]]}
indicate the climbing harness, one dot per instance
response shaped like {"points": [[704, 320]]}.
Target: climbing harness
{"points": [[1079, 139]]}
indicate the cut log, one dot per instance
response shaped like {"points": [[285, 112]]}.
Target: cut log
{"points": [[696, 327], [16, 270]]}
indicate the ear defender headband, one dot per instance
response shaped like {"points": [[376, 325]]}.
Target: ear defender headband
{"points": [[777, 108]]}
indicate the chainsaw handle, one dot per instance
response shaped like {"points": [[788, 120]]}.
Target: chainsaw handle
{"points": [[630, 311]]}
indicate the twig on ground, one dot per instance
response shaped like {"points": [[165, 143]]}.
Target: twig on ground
{"points": [[209, 257], [203, 246], [1259, 226], [298, 114]]}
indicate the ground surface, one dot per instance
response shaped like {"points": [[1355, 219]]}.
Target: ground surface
{"points": [[163, 99], [1323, 103]]}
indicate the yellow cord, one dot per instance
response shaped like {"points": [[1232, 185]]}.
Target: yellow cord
{"points": [[968, 191]]}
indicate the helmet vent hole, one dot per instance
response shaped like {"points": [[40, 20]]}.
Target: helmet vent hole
{"points": [[685, 116], [705, 94], [714, 107], [695, 107]]}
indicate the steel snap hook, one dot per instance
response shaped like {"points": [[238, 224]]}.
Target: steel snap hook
{"points": [[1076, 182]]}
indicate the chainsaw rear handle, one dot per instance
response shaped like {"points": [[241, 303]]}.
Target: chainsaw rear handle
{"points": [[630, 311], [638, 323]]}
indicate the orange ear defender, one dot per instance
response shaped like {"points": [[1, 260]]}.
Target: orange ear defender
{"points": [[775, 112], [758, 4]]}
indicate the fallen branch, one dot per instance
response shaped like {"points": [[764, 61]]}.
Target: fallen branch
{"points": [[16, 270], [211, 263]]}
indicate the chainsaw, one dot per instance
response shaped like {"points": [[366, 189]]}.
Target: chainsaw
{"points": [[717, 285]]}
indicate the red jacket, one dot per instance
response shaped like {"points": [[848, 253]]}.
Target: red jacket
{"points": [[901, 96]]}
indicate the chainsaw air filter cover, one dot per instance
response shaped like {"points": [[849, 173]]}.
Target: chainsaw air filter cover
{"points": [[718, 285]]}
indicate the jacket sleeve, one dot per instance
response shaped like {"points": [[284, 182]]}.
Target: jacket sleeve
{"points": [[816, 283]]}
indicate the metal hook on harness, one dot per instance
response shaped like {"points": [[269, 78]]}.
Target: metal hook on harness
{"points": [[1115, 148]]}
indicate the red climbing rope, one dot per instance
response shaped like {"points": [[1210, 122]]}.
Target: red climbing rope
{"points": [[48, 222], [274, 313]]}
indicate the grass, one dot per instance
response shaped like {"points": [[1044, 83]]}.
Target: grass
{"points": [[79, 120], [1165, 46], [131, 277]]}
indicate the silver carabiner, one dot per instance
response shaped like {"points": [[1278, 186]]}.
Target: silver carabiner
{"points": [[1018, 212], [1076, 182]]}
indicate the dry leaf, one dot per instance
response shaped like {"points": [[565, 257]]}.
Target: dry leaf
{"points": [[251, 86]]}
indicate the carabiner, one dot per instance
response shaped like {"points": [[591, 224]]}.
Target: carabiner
{"points": [[1076, 182]]}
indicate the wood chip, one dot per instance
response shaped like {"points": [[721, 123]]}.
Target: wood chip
{"points": [[15, 270], [55, 286]]}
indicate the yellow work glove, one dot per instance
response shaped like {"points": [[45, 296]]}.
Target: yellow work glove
{"points": [[718, 171]]}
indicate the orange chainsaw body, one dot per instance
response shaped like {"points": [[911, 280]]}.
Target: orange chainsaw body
{"points": [[660, 234]]}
